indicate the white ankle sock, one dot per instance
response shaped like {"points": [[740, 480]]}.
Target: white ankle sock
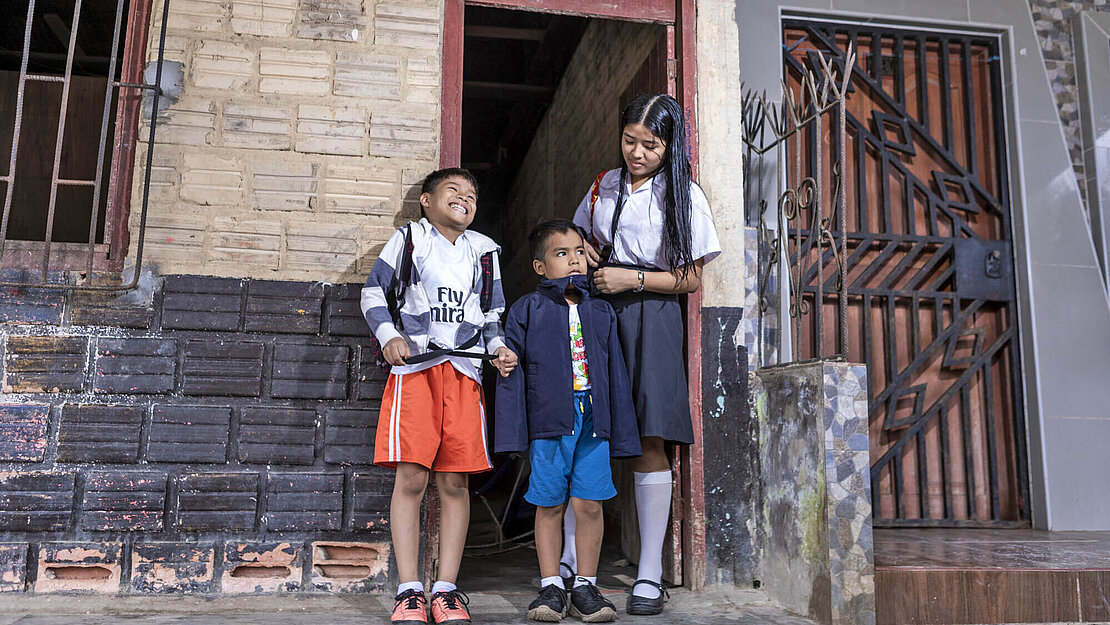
{"points": [[570, 552], [552, 581], [443, 587], [653, 509], [582, 581], [419, 586]]}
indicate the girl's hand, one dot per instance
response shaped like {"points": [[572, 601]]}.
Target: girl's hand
{"points": [[396, 351], [593, 258], [506, 361], [615, 280]]}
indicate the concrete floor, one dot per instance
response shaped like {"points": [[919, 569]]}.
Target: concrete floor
{"points": [[712, 608], [500, 587]]}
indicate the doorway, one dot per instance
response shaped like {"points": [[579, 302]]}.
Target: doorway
{"points": [[540, 99]]}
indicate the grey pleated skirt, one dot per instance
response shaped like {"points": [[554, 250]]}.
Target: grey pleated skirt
{"points": [[651, 332]]}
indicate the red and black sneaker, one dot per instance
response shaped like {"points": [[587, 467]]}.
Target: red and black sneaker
{"points": [[411, 608], [450, 608]]}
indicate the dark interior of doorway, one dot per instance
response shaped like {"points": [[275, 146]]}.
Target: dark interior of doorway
{"points": [[51, 27], [513, 61], [513, 65]]}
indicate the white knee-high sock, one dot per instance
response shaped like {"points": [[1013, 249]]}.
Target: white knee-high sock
{"points": [[653, 509], [570, 552]]}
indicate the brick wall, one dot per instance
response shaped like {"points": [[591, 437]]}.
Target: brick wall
{"points": [[301, 131], [578, 137], [208, 435]]}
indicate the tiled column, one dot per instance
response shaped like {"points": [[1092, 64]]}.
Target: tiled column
{"points": [[817, 544]]}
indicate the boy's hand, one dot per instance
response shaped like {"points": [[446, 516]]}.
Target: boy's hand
{"points": [[506, 361], [396, 351]]}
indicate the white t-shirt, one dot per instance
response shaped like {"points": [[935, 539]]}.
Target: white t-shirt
{"points": [[579, 364], [639, 238], [447, 275]]}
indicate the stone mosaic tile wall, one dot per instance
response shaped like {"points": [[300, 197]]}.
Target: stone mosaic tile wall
{"points": [[847, 471], [751, 324], [1052, 19], [818, 555]]}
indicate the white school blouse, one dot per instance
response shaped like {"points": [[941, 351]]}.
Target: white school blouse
{"points": [[639, 238]]}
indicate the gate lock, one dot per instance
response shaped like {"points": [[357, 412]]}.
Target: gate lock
{"points": [[984, 269]]}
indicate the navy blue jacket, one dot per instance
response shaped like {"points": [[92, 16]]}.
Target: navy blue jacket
{"points": [[537, 399]]}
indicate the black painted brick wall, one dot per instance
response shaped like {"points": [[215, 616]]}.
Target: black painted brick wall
{"points": [[221, 416]]}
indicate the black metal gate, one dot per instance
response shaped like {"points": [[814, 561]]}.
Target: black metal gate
{"points": [[929, 269]]}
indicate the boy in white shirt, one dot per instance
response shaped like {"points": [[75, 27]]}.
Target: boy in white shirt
{"points": [[432, 414]]}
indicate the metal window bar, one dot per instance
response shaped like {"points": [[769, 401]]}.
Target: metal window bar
{"points": [[96, 183], [824, 90]]}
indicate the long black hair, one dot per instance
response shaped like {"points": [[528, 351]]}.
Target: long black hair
{"points": [[662, 115]]}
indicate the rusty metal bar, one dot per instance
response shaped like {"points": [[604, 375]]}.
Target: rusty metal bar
{"points": [[818, 139], [108, 92], [45, 77], [139, 85], [18, 125], [50, 208], [796, 303], [63, 182], [157, 92], [843, 209]]}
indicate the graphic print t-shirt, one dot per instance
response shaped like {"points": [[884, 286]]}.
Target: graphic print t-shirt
{"points": [[580, 366], [447, 276]]}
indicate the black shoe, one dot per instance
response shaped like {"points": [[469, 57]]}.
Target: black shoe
{"points": [[550, 606], [642, 605], [587, 604]]}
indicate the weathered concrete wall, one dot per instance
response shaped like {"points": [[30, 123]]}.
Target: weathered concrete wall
{"points": [[577, 139], [301, 131], [730, 440], [720, 146], [818, 556]]}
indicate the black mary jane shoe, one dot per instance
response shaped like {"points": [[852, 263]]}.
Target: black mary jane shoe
{"points": [[642, 606]]}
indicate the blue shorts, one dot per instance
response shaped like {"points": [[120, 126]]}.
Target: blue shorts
{"points": [[576, 465]]}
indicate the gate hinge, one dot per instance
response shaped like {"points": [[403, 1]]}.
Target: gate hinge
{"points": [[672, 69]]}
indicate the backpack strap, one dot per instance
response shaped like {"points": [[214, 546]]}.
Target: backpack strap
{"points": [[486, 264], [402, 277], [595, 192]]}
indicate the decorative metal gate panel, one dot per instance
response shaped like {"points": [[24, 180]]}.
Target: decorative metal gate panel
{"points": [[928, 267]]}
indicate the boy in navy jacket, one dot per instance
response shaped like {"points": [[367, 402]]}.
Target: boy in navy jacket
{"points": [[570, 405]]}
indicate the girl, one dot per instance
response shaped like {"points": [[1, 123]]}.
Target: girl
{"points": [[651, 232]]}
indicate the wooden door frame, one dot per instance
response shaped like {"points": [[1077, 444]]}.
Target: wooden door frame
{"points": [[682, 15]]}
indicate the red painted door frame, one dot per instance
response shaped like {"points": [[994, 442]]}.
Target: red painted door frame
{"points": [[682, 14]]}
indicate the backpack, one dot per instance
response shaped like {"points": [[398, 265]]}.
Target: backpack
{"points": [[402, 278]]}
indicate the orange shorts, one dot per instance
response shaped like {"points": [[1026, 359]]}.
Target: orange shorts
{"points": [[435, 418]]}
